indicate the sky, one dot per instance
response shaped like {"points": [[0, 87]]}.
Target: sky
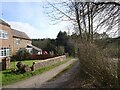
{"points": [[31, 18]]}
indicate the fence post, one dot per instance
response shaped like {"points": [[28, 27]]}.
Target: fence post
{"points": [[6, 63]]}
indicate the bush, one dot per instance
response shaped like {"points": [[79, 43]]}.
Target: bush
{"points": [[113, 53], [95, 63], [41, 57], [22, 54], [60, 50], [32, 57]]}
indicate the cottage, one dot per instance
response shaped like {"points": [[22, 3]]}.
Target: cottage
{"points": [[12, 40]]}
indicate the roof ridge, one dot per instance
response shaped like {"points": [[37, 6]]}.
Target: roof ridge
{"points": [[4, 23]]}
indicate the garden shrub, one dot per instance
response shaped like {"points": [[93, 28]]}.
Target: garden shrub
{"points": [[60, 50], [22, 54], [42, 57]]}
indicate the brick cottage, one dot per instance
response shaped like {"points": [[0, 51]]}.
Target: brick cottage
{"points": [[12, 40]]}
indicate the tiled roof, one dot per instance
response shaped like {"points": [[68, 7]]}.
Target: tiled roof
{"points": [[20, 34], [4, 23], [16, 33]]}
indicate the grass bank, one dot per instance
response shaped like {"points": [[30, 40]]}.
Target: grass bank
{"points": [[9, 77]]}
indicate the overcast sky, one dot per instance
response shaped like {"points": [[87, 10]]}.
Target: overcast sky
{"points": [[31, 18]]}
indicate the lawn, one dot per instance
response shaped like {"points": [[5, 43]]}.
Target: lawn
{"points": [[7, 73], [27, 62], [9, 77]]}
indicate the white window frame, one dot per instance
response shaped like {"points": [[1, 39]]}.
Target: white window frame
{"points": [[17, 41], [3, 34], [5, 52]]}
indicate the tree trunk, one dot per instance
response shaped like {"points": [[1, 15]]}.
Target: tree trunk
{"points": [[78, 19], [89, 26], [92, 23]]}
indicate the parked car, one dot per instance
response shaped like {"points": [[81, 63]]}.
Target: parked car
{"points": [[45, 52]]}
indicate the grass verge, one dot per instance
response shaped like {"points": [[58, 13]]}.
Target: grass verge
{"points": [[9, 77]]}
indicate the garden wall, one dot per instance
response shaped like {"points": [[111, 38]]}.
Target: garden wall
{"points": [[43, 63]]}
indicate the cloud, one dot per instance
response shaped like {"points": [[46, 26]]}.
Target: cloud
{"points": [[30, 30], [48, 31]]}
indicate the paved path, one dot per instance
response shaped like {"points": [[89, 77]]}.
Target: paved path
{"points": [[62, 80], [36, 81]]}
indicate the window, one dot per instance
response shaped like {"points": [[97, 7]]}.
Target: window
{"points": [[3, 34], [5, 51], [28, 42], [17, 41]]}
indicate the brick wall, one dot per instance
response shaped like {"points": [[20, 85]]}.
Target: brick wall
{"points": [[47, 62], [6, 43]]}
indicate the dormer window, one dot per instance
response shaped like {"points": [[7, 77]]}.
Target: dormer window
{"points": [[3, 34]]}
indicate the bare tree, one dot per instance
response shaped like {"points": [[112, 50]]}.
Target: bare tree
{"points": [[89, 17], [86, 14]]}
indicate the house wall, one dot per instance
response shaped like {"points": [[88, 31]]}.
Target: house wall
{"points": [[6, 43], [11, 41], [22, 44]]}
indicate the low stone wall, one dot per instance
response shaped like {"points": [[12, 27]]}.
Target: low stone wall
{"points": [[43, 63]]}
